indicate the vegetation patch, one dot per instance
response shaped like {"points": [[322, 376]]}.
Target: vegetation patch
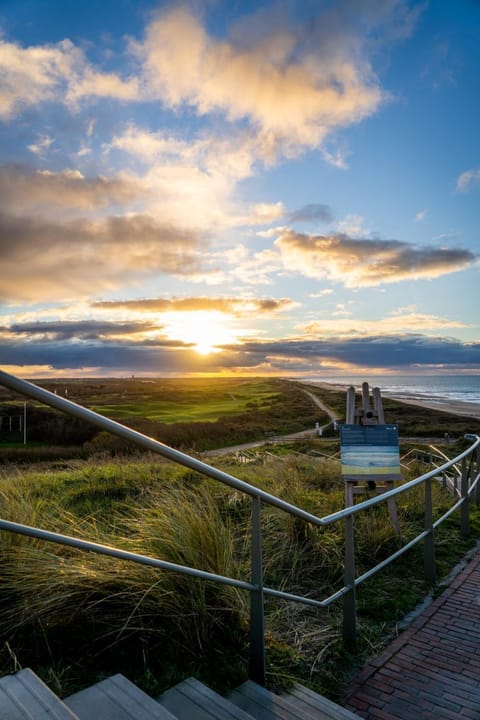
{"points": [[158, 627]]}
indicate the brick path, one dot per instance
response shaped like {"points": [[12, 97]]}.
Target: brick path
{"points": [[432, 670]]}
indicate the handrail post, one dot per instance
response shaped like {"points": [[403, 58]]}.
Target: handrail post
{"points": [[476, 466], [257, 615], [429, 543], [465, 506], [349, 599]]}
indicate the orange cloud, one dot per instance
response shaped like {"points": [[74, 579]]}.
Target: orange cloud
{"points": [[237, 306]]}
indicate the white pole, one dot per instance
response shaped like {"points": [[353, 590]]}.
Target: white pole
{"points": [[25, 423]]}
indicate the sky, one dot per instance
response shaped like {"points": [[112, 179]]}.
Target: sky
{"points": [[239, 188]]}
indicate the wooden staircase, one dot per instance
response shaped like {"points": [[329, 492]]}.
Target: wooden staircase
{"points": [[23, 696]]}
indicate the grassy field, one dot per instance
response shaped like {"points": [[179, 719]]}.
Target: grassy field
{"points": [[191, 414], [168, 400], [159, 627]]}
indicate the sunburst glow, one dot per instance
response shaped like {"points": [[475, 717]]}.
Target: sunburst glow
{"points": [[205, 330]]}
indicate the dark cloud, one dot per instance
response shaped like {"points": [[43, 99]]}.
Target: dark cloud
{"points": [[365, 262], [81, 330], [391, 352], [404, 353], [311, 213]]}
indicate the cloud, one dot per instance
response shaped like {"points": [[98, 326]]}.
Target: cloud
{"points": [[393, 352], [421, 215], [231, 156], [81, 258], [80, 329], [33, 75], [200, 174], [467, 179], [256, 269], [402, 321], [396, 352], [297, 84], [311, 213], [55, 72], [237, 306], [43, 143], [352, 225], [366, 262], [23, 190]]}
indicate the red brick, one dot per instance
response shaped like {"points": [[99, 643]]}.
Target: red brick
{"points": [[432, 670]]}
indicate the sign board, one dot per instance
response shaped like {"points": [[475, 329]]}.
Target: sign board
{"points": [[370, 452]]}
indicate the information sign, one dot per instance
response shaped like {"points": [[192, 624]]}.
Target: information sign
{"points": [[370, 451]]}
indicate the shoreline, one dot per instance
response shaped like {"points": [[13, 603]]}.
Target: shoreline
{"points": [[454, 407]]}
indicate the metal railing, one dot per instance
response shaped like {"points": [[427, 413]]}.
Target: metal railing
{"points": [[434, 457], [470, 490]]}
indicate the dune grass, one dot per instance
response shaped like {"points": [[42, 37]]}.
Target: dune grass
{"points": [[69, 614]]}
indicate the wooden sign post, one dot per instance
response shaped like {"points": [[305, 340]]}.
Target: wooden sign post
{"points": [[369, 450]]}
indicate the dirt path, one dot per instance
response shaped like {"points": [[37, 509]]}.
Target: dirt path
{"points": [[292, 436], [331, 413]]}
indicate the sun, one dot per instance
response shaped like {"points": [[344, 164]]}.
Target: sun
{"points": [[206, 330]]}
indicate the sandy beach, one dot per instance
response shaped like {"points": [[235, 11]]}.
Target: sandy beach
{"points": [[464, 409]]}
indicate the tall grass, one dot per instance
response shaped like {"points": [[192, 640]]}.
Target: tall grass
{"points": [[145, 622]]}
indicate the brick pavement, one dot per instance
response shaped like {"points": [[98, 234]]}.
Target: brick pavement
{"points": [[432, 670]]}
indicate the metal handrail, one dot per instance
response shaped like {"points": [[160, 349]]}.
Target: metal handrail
{"points": [[256, 588]]}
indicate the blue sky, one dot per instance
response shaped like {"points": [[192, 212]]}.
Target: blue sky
{"points": [[239, 188]]}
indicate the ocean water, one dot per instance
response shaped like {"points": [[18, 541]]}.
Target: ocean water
{"points": [[436, 388]]}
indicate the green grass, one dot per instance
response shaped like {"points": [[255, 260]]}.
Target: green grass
{"points": [[194, 401], [158, 627], [188, 414]]}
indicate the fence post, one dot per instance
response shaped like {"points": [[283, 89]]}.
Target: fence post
{"points": [[257, 617], [429, 543], [349, 599], [476, 465], [465, 506]]}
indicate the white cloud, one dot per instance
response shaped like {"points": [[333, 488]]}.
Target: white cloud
{"points": [[263, 213], [43, 143], [32, 75], [296, 85], [401, 321], [467, 179], [352, 225], [60, 72]]}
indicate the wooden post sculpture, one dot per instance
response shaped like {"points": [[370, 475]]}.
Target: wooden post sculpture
{"points": [[369, 450]]}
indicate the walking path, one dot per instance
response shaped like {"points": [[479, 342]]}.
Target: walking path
{"points": [[432, 670]]}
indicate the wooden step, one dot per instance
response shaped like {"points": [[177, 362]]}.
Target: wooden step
{"points": [[300, 704], [23, 696], [116, 698], [265, 705], [192, 700], [309, 701]]}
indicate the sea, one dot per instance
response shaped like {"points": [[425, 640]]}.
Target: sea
{"points": [[429, 388]]}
